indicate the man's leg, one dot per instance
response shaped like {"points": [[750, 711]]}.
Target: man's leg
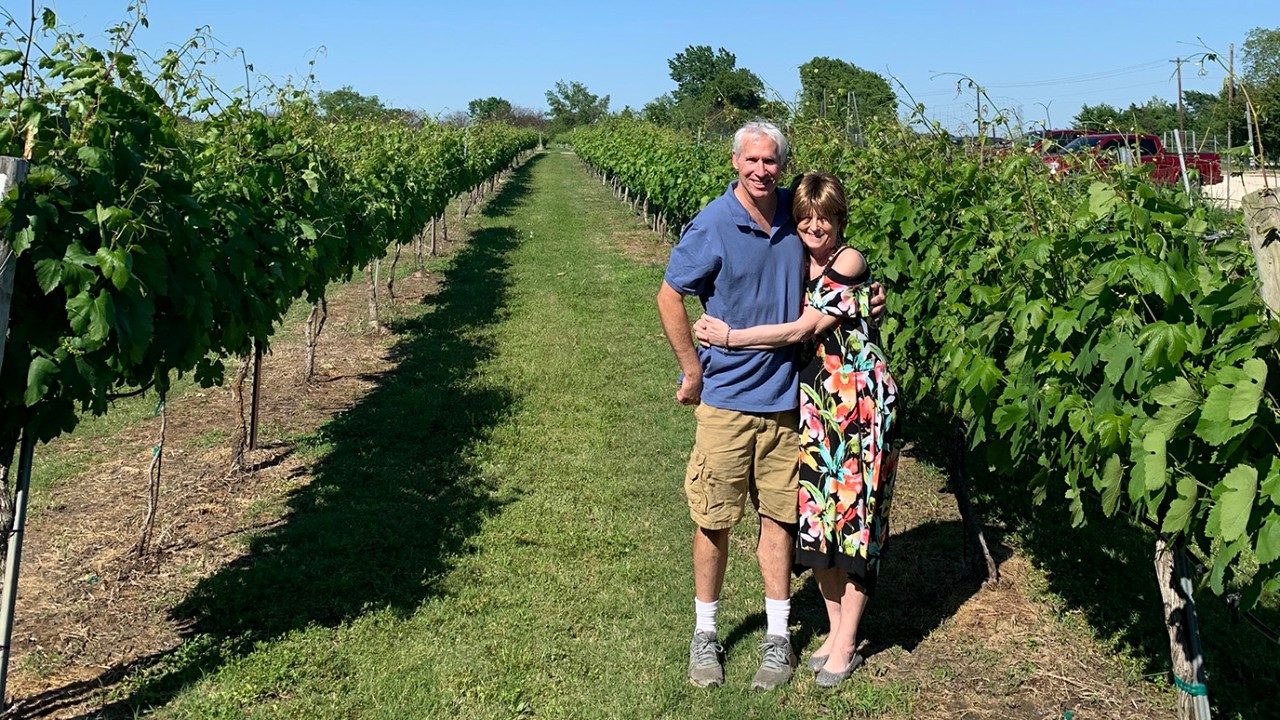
{"points": [[777, 485], [710, 556], [773, 552], [716, 486]]}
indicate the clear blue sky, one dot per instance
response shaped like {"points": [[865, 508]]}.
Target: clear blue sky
{"points": [[1035, 57]]}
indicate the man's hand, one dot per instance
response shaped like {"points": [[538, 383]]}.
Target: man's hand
{"points": [[690, 390], [675, 325], [877, 303], [711, 331]]}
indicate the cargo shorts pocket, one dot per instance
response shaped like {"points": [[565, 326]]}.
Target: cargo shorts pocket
{"points": [[715, 499], [695, 483]]}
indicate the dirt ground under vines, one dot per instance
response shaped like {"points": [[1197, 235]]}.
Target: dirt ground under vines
{"points": [[90, 609]]}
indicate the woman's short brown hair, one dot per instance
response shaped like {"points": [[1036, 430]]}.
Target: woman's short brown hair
{"points": [[820, 193]]}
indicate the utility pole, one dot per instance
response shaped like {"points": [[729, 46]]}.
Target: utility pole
{"points": [[1182, 111], [1182, 133], [977, 103], [1231, 100]]}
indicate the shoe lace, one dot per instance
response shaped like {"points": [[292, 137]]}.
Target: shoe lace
{"points": [[777, 655], [706, 651]]}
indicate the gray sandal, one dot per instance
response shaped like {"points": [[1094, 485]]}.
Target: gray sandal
{"points": [[827, 679], [816, 662]]}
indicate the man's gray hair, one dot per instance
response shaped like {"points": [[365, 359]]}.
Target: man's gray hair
{"points": [[761, 128]]}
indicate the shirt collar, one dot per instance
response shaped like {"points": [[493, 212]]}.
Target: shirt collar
{"points": [[741, 218]]}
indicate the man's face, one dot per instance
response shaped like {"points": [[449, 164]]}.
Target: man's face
{"points": [[757, 166]]}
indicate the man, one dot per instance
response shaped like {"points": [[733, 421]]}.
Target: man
{"points": [[742, 258]]}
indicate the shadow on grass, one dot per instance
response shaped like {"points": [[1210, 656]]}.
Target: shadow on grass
{"points": [[924, 579], [394, 496], [923, 582]]}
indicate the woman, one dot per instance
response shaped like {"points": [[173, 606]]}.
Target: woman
{"points": [[848, 414]]}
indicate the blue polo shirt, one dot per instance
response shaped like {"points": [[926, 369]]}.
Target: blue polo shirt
{"points": [[745, 275]]}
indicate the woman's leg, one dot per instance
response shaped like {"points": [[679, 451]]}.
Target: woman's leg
{"points": [[843, 640], [831, 582]]}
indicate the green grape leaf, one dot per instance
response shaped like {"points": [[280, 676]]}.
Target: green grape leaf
{"points": [[101, 317], [79, 308], [1230, 514], [1116, 355], [1162, 344], [23, 239], [1175, 392], [1220, 561], [1271, 485], [39, 375], [1111, 484], [1154, 471], [1181, 507], [1215, 424], [1102, 199], [1112, 430], [1247, 385], [48, 274], [1268, 548], [1007, 416]]}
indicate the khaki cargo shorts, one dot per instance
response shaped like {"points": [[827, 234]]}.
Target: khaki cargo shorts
{"points": [[740, 454]]}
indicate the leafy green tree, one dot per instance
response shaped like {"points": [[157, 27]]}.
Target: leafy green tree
{"points": [[661, 111], [572, 104], [1154, 116], [1097, 117], [524, 117], [712, 92], [1261, 55], [347, 104], [843, 91], [489, 109]]}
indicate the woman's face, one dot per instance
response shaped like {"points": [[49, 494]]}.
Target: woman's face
{"points": [[817, 233]]}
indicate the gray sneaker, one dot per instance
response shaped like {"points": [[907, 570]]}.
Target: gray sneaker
{"points": [[706, 669], [778, 663]]}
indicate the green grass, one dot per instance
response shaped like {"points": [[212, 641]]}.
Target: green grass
{"points": [[498, 529]]}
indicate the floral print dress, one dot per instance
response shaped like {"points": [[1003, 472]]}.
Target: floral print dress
{"points": [[848, 424]]}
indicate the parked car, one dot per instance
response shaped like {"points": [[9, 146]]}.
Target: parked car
{"points": [[1051, 142], [1107, 148]]}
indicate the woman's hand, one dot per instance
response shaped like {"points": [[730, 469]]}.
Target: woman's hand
{"points": [[711, 331], [877, 303]]}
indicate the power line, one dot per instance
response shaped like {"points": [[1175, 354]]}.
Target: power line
{"points": [[1089, 77]]}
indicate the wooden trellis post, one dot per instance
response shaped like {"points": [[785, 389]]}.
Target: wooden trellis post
{"points": [[1262, 219], [13, 171], [1173, 573]]}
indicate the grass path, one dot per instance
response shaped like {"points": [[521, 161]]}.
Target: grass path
{"points": [[528, 443], [497, 530]]}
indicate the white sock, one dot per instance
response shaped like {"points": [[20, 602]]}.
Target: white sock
{"points": [[778, 613], [706, 615]]}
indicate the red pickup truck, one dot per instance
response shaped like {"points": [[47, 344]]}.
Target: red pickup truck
{"points": [[1106, 148]]}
